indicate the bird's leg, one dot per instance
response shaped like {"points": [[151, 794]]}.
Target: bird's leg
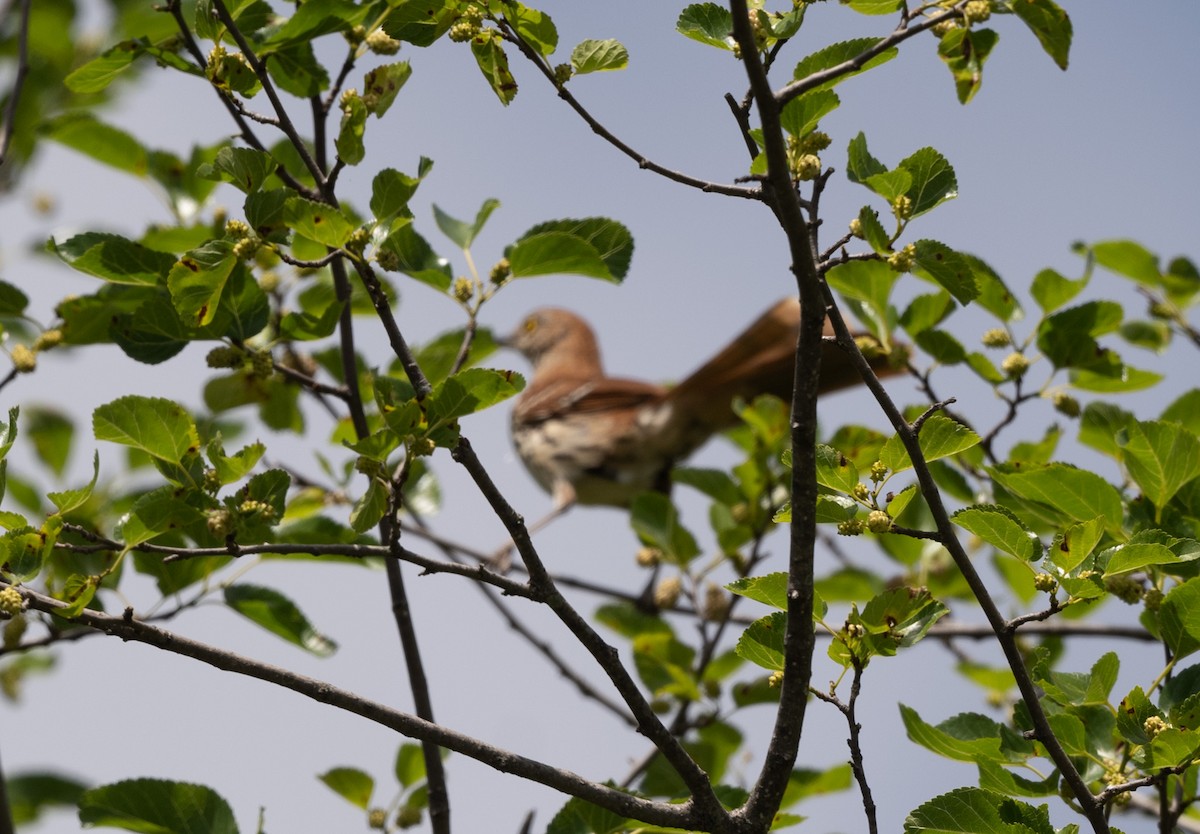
{"points": [[564, 499]]}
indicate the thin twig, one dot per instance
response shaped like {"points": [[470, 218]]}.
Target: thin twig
{"points": [[852, 65], [604, 133], [14, 96], [264, 78]]}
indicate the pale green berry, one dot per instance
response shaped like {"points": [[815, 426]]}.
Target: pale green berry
{"points": [[24, 360], [500, 271], [381, 43], [11, 602], [666, 593], [1015, 365], [648, 557], [716, 603], [878, 521], [996, 337], [463, 289], [808, 166], [224, 356], [1065, 404], [850, 527]]}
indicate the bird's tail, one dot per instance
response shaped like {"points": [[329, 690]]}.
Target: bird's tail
{"points": [[760, 360]]}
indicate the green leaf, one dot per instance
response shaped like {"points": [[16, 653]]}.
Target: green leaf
{"points": [[157, 806], [152, 333], [462, 233], [420, 22], [246, 168], [873, 231], [296, 70], [1151, 335], [72, 499], [197, 280], [1125, 257], [1125, 380], [113, 258], [102, 142], [381, 84], [349, 141], [967, 737], [861, 165], [369, 509], [98, 73], [871, 283], [1076, 544], [278, 615], [839, 53], [940, 437], [1000, 528], [941, 346], [317, 221], [900, 617], [390, 193], [312, 20], [301, 326], [762, 642], [933, 180], [51, 433], [1161, 457], [350, 783], [415, 258], [410, 764], [599, 56], [874, 7], [964, 52], [535, 27], [949, 268], [1077, 494], [1099, 425], [801, 115], [715, 483], [770, 589], [22, 552], [890, 184], [596, 247], [470, 391], [161, 428], [493, 63], [707, 23], [1067, 338], [153, 514], [834, 470], [977, 811], [1185, 410], [1051, 290], [1050, 24], [12, 300], [656, 521], [31, 793], [994, 295], [1124, 558]]}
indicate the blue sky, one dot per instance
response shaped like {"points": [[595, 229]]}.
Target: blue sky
{"points": [[1043, 158]]}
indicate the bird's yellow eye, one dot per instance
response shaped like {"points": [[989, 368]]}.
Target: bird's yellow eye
{"points": [[530, 324]]}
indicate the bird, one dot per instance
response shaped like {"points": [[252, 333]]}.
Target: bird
{"points": [[588, 438]]}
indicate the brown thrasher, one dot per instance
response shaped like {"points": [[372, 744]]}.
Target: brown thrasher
{"points": [[592, 439]]}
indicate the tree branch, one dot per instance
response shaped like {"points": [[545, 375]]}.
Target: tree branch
{"points": [[128, 628]]}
